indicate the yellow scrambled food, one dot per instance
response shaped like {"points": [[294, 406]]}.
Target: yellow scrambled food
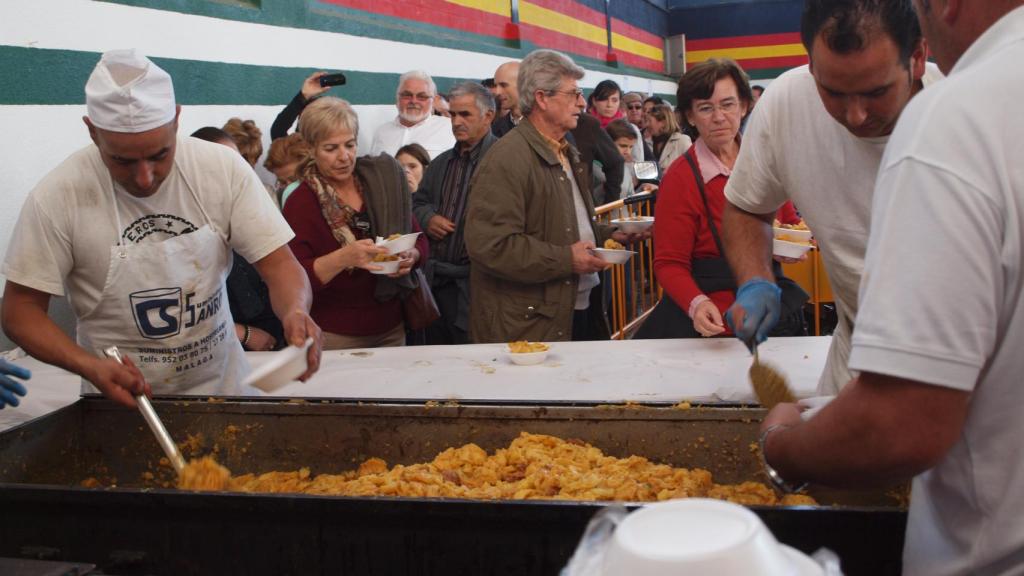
{"points": [[533, 466], [801, 225], [393, 236], [385, 258], [524, 347], [610, 244], [793, 240]]}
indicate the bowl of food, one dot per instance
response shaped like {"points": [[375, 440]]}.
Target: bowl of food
{"points": [[700, 536], [613, 252], [788, 249], [791, 232], [398, 243], [388, 264], [634, 224], [525, 353]]}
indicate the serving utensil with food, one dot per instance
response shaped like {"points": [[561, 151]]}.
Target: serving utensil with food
{"points": [[770, 385], [154, 422]]}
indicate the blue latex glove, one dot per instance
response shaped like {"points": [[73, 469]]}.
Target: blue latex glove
{"points": [[761, 302], [9, 387]]}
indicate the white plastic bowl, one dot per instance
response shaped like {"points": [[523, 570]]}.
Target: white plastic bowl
{"points": [[789, 249], [400, 244], [527, 358], [802, 235], [699, 536], [613, 256], [283, 368], [389, 267], [634, 226]]}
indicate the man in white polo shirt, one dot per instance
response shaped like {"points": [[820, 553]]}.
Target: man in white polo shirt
{"points": [[416, 122], [941, 325], [138, 229], [816, 139]]}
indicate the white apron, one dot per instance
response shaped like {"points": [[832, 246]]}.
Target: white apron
{"points": [[165, 306]]}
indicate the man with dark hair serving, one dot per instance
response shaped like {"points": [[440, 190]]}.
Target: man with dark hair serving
{"points": [[940, 330], [817, 139]]}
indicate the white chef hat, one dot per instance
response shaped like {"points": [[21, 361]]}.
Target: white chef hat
{"points": [[126, 92]]}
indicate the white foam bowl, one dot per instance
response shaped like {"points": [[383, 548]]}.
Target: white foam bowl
{"points": [[634, 226], [283, 368], [389, 267], [789, 249], [527, 358], [613, 256], [802, 235], [699, 536], [400, 244]]}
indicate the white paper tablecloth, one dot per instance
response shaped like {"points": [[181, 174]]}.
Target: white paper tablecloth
{"points": [[615, 371]]}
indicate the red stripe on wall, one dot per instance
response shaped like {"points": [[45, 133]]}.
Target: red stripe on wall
{"points": [[775, 62], [435, 12], [640, 62], [743, 41]]}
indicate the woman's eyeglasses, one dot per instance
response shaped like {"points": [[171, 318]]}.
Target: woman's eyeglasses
{"points": [[707, 109]]}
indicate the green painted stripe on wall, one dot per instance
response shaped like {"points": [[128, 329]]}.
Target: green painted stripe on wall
{"points": [[49, 77], [768, 73], [329, 18], [58, 77]]}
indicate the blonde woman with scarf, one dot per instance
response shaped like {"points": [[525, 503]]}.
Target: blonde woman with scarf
{"points": [[341, 205]]}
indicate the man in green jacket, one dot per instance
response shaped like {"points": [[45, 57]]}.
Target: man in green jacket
{"points": [[529, 228]]}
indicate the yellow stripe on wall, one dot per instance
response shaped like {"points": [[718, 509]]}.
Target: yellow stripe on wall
{"points": [[627, 44], [499, 7], [747, 52], [557, 22]]}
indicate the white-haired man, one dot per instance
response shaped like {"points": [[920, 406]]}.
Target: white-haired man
{"points": [[416, 122], [138, 229]]}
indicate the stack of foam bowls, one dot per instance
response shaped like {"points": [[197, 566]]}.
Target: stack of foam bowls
{"points": [[697, 536]]}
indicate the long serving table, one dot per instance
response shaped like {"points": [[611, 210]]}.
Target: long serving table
{"points": [[713, 370]]}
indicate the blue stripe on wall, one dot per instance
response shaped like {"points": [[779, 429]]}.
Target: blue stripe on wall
{"points": [[736, 19]]}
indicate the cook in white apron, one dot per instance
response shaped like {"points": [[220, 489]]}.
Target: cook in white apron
{"points": [[164, 305]]}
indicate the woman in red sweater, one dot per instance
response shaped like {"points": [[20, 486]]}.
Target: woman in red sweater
{"points": [[341, 205], [688, 259]]}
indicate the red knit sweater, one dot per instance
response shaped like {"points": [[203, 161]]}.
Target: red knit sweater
{"points": [[345, 305]]}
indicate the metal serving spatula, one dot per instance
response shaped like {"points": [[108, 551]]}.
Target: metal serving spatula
{"points": [[769, 384], [155, 424]]}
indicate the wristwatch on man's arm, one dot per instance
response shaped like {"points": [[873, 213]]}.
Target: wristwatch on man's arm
{"points": [[774, 477]]}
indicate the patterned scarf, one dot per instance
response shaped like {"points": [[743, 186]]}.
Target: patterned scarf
{"points": [[337, 215]]}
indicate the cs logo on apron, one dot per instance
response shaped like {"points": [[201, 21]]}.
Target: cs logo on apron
{"points": [[157, 312]]}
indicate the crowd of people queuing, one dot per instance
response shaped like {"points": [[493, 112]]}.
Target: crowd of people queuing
{"points": [[505, 244]]}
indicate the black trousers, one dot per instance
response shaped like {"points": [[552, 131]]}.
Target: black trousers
{"points": [[444, 330]]}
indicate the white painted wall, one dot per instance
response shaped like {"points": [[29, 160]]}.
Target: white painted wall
{"points": [[37, 138]]}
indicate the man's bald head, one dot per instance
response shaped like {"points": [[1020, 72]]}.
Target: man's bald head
{"points": [[507, 87]]}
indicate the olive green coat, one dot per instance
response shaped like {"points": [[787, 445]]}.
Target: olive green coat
{"points": [[520, 222]]}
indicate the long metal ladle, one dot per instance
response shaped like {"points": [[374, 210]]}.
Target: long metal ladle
{"points": [[162, 437]]}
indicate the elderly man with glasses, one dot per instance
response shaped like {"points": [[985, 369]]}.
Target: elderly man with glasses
{"points": [[529, 222], [416, 122]]}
